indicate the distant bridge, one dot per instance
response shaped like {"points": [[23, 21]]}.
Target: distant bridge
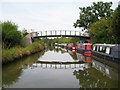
{"points": [[60, 33]]}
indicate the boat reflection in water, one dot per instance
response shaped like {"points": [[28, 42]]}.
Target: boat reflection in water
{"points": [[97, 75], [78, 62], [80, 57], [59, 68]]}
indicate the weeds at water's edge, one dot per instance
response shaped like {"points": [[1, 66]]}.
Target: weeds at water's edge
{"points": [[9, 55]]}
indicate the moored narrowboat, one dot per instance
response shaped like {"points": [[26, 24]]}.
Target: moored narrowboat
{"points": [[107, 51], [85, 49]]}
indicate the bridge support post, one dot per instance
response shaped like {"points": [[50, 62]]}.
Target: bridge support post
{"points": [[55, 32], [70, 66], [75, 33], [81, 41], [70, 32], [60, 32], [80, 33], [41, 33], [65, 66], [46, 33], [50, 65], [51, 33]]}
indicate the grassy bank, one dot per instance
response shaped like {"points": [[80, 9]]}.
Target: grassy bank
{"points": [[9, 55]]}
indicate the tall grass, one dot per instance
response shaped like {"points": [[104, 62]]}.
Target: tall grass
{"points": [[8, 55]]}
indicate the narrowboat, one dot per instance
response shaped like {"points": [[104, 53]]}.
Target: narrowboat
{"points": [[71, 46], [85, 49], [107, 51]]}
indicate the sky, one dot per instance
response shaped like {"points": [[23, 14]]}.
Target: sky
{"points": [[42, 15]]}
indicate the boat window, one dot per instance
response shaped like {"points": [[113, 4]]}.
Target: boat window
{"points": [[100, 48], [107, 50], [97, 48], [103, 50], [94, 47]]}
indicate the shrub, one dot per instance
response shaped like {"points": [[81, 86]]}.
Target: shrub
{"points": [[9, 55]]}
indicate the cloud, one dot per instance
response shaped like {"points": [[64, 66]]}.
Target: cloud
{"points": [[43, 15], [39, 16]]}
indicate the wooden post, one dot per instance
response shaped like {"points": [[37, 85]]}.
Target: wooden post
{"points": [[65, 32]]}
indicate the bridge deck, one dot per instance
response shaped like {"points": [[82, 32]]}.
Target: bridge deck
{"points": [[42, 34], [62, 36]]}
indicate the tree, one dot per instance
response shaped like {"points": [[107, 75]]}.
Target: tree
{"points": [[101, 31], [91, 14], [116, 24], [10, 35], [24, 32]]}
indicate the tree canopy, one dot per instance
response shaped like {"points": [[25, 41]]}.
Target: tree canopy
{"points": [[93, 13], [116, 24], [10, 35], [101, 31]]}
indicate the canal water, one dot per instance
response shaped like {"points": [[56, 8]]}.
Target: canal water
{"points": [[59, 68]]}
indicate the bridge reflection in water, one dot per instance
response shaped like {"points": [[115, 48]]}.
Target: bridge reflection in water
{"points": [[80, 62], [35, 72], [60, 66]]}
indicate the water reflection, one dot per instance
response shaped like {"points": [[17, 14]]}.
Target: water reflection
{"points": [[81, 66], [79, 57], [73, 54], [105, 70], [57, 49], [57, 55], [98, 76], [59, 68], [11, 73]]}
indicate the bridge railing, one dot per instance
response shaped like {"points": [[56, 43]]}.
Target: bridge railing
{"points": [[59, 32]]}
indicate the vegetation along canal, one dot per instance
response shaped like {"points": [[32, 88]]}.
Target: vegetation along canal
{"points": [[59, 68]]}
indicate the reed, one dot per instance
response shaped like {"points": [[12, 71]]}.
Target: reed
{"points": [[9, 55]]}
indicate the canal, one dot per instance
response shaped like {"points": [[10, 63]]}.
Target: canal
{"points": [[56, 67]]}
